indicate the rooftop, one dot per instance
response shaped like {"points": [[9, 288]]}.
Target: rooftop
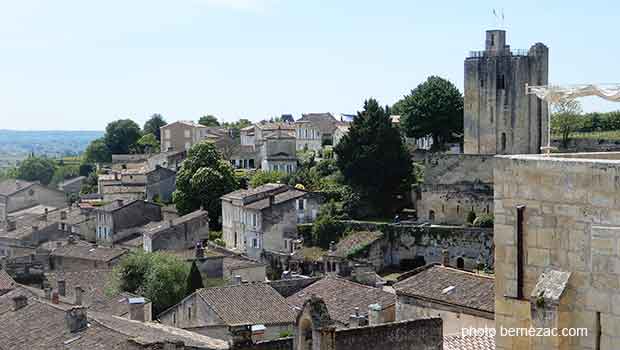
{"points": [[10, 186], [6, 281], [437, 283], [354, 241], [88, 252], [342, 297], [459, 342], [154, 228], [254, 303]]}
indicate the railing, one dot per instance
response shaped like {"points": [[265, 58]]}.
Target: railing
{"points": [[516, 52]]}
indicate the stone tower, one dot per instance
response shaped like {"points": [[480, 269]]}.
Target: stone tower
{"points": [[499, 117]]}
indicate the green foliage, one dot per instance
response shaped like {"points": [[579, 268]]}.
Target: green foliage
{"points": [[285, 334], [8, 173], [194, 280], [264, 177], [65, 172], [566, 119], [90, 185], [235, 127], [208, 120], [153, 125], [326, 167], [36, 169], [471, 216], [121, 135], [157, 276], [220, 242], [203, 178], [148, 142], [373, 159], [434, 108], [213, 235], [97, 152], [325, 230], [484, 220]]}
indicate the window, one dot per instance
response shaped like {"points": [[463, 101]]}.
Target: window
{"points": [[300, 204], [189, 313], [500, 82], [167, 145], [492, 39], [491, 114], [431, 215], [519, 243], [503, 142], [481, 83], [186, 133], [458, 209], [187, 145], [460, 263], [167, 135], [254, 220], [255, 243], [236, 238]]}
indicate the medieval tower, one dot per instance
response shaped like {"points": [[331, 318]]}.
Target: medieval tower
{"points": [[499, 118]]}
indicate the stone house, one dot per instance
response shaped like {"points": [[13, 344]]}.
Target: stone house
{"points": [[72, 187], [557, 233], [315, 129], [171, 160], [349, 304], [177, 234], [138, 183], [266, 146], [182, 135], [278, 153], [33, 322], [212, 311], [80, 256], [461, 299], [17, 195], [265, 218], [114, 219]]}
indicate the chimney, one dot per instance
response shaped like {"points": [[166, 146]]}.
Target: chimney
{"points": [[19, 302], [62, 287], [76, 319], [136, 309], [200, 251], [170, 223], [79, 293], [10, 225], [48, 293], [55, 298], [63, 215], [45, 215], [374, 314], [354, 318], [236, 280], [446, 257]]}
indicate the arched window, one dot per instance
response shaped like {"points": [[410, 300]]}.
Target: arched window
{"points": [[431, 215], [460, 263], [503, 142]]}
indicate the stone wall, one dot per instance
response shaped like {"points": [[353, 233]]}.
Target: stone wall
{"points": [[454, 185], [588, 145], [570, 222], [423, 334]]}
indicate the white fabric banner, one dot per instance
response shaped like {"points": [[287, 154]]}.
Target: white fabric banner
{"points": [[555, 94]]}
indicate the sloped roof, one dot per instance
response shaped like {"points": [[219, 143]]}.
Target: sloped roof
{"points": [[448, 285], [6, 281], [326, 122], [342, 297], [356, 240], [88, 252], [459, 342], [10, 186], [254, 303], [278, 199]]}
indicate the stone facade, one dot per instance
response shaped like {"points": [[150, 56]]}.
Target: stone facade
{"points": [[17, 195], [558, 213], [454, 185], [499, 117], [113, 219], [177, 234], [182, 135], [308, 136]]}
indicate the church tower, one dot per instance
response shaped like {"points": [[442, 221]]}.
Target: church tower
{"points": [[499, 118]]}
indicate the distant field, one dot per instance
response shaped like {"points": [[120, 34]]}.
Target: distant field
{"points": [[597, 135], [16, 145]]}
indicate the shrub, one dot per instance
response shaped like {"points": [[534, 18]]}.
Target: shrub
{"points": [[220, 242], [484, 220]]}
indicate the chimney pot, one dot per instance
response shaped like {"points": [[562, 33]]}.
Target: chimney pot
{"points": [[76, 319], [374, 314], [79, 293], [446, 257], [236, 280], [19, 302], [62, 287], [136, 309]]}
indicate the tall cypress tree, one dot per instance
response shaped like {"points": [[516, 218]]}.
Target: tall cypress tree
{"points": [[194, 280], [373, 158]]}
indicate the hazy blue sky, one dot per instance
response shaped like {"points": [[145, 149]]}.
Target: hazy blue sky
{"points": [[80, 64]]}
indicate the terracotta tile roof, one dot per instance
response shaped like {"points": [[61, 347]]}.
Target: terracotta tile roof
{"points": [[457, 342], [342, 297], [6, 281], [449, 285], [88, 252], [95, 297], [354, 241], [326, 122], [254, 303]]}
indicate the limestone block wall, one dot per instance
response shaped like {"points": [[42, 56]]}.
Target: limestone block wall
{"points": [[423, 334], [571, 222]]}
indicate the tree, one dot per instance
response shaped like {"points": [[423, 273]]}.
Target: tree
{"points": [[97, 152], [203, 178], [148, 142], [64, 172], [372, 157], [36, 169], [194, 280], [153, 125], [264, 177], [208, 120], [121, 135], [159, 277], [433, 108], [566, 119], [325, 230]]}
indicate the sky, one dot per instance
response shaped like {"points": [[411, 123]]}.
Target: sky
{"points": [[77, 65]]}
